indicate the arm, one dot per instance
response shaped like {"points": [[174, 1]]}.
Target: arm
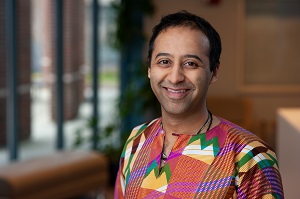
{"points": [[257, 172]]}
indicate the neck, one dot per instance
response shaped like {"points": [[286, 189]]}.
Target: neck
{"points": [[184, 124]]}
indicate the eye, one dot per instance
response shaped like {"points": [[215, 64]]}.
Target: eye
{"points": [[164, 63], [190, 64]]}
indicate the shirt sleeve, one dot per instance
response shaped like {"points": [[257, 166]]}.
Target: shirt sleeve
{"points": [[258, 173], [119, 185]]}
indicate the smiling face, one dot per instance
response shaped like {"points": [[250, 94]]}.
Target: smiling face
{"points": [[179, 72]]}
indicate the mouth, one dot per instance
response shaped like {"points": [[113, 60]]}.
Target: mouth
{"points": [[176, 90], [176, 93]]}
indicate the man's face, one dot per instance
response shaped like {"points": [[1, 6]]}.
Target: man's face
{"points": [[179, 72]]}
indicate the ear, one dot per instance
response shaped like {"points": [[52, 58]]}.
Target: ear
{"points": [[215, 74], [149, 70]]}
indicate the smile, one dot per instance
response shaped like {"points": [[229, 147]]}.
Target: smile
{"points": [[176, 91]]}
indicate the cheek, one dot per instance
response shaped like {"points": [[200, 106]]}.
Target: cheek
{"points": [[155, 75], [196, 78], [152, 78], [201, 80]]}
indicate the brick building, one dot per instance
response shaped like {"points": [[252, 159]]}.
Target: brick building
{"points": [[73, 53]]}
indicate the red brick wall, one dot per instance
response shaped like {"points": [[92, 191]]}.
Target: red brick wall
{"points": [[73, 51], [24, 66], [23, 23], [73, 38], [73, 60]]}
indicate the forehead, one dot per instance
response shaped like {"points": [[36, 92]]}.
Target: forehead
{"points": [[182, 37]]}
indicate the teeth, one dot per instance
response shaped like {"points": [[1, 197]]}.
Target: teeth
{"points": [[176, 91]]}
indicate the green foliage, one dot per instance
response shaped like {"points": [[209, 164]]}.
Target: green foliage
{"points": [[85, 138], [139, 90], [127, 29]]}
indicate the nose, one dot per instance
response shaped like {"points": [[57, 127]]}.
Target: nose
{"points": [[176, 74]]}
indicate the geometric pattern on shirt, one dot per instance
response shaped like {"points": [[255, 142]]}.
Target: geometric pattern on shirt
{"points": [[134, 173], [156, 179], [256, 164], [202, 149]]}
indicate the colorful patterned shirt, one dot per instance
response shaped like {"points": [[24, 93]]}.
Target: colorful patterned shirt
{"points": [[225, 162]]}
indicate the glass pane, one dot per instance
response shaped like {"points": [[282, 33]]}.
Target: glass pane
{"points": [[109, 59], [42, 127], [37, 89]]}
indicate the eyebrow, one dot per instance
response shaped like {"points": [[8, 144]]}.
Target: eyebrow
{"points": [[193, 56], [163, 54]]}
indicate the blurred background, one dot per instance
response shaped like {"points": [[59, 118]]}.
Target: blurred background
{"points": [[73, 72]]}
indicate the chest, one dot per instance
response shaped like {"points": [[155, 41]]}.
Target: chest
{"points": [[191, 162]]}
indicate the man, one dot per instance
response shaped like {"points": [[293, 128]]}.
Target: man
{"points": [[188, 152]]}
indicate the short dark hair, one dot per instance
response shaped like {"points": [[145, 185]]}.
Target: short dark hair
{"points": [[184, 18]]}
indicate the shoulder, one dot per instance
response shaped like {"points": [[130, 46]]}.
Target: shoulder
{"points": [[249, 148], [138, 130], [137, 134], [247, 145], [256, 164], [239, 135]]}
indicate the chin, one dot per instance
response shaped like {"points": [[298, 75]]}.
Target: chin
{"points": [[175, 110]]}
